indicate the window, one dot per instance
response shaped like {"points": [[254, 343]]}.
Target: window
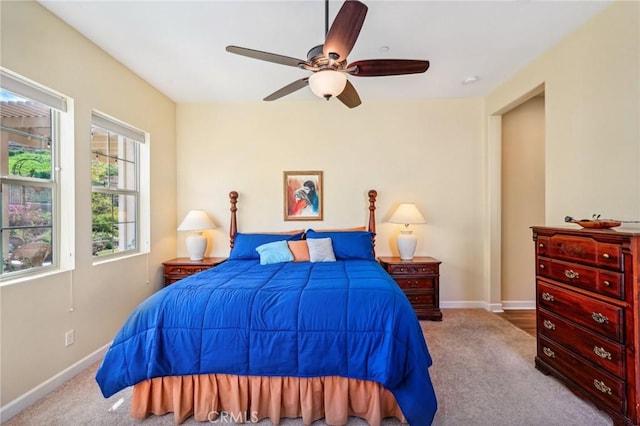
{"points": [[30, 118], [115, 183]]}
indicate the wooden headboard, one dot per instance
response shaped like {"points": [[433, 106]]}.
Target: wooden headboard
{"points": [[233, 227]]}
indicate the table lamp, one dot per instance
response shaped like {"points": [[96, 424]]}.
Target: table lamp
{"points": [[407, 214], [196, 221]]}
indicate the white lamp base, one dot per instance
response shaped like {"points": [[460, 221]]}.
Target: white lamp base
{"points": [[407, 245], [196, 245]]}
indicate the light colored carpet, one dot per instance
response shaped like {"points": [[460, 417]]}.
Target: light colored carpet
{"points": [[483, 372]]}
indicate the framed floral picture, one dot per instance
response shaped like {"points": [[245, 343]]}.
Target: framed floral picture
{"points": [[303, 195]]}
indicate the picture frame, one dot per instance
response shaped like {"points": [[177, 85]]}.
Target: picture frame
{"points": [[303, 195]]}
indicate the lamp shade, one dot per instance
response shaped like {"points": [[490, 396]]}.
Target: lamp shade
{"points": [[327, 83], [406, 214], [196, 220]]}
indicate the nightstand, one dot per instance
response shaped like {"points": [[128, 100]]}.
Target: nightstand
{"points": [[182, 267], [419, 280]]}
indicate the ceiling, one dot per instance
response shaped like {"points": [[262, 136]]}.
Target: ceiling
{"points": [[179, 46]]}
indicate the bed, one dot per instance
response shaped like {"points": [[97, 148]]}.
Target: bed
{"points": [[271, 335]]}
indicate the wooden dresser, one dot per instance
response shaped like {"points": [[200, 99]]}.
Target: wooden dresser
{"points": [[419, 280], [588, 313]]}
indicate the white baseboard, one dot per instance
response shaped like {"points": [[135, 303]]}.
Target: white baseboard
{"points": [[29, 398], [518, 304], [471, 304]]}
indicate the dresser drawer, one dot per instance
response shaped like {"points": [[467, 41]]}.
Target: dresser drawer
{"points": [[414, 269], [415, 283], [604, 386], [600, 351], [598, 280], [596, 315], [585, 250]]}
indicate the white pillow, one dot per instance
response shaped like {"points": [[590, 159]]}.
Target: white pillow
{"points": [[321, 250]]}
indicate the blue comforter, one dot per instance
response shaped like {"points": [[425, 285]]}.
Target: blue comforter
{"points": [[344, 318]]}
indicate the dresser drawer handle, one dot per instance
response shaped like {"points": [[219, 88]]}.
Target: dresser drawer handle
{"points": [[413, 284], [607, 284], [548, 352], [606, 255], [549, 325], [599, 318], [571, 274], [541, 245], [541, 266], [601, 386], [548, 297], [401, 269], [179, 269], [601, 352]]}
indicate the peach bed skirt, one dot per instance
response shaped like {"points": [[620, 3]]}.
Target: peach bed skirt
{"points": [[253, 398]]}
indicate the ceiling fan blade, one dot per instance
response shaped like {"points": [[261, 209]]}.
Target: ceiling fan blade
{"points": [[382, 67], [288, 89], [349, 96], [345, 29], [266, 56]]}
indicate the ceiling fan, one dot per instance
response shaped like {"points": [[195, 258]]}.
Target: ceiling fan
{"points": [[328, 61]]}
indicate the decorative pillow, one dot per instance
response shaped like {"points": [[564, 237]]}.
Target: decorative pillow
{"points": [[348, 245], [244, 245], [275, 252], [300, 250], [321, 250]]}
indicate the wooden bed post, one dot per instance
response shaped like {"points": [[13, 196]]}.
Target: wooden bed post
{"points": [[373, 194], [372, 210], [233, 228]]}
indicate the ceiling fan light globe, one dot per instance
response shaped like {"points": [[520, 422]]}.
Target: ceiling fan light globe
{"points": [[327, 83]]}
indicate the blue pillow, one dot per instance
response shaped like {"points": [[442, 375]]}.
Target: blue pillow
{"points": [[275, 252], [348, 244], [244, 245]]}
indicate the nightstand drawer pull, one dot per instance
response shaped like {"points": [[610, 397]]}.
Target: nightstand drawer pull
{"points": [[601, 386], [548, 297], [599, 318], [548, 352], [606, 255], [607, 284], [541, 245], [541, 266], [413, 284], [571, 274], [601, 352], [549, 325]]}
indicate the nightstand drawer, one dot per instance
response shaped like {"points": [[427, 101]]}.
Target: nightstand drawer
{"points": [[414, 269], [418, 299], [415, 283], [184, 270]]}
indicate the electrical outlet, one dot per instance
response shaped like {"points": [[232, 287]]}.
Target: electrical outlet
{"points": [[69, 338]]}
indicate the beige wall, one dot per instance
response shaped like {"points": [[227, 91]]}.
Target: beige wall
{"points": [[592, 106], [522, 198], [35, 314], [428, 152]]}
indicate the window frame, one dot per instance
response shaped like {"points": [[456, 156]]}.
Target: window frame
{"points": [[117, 127], [61, 120]]}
